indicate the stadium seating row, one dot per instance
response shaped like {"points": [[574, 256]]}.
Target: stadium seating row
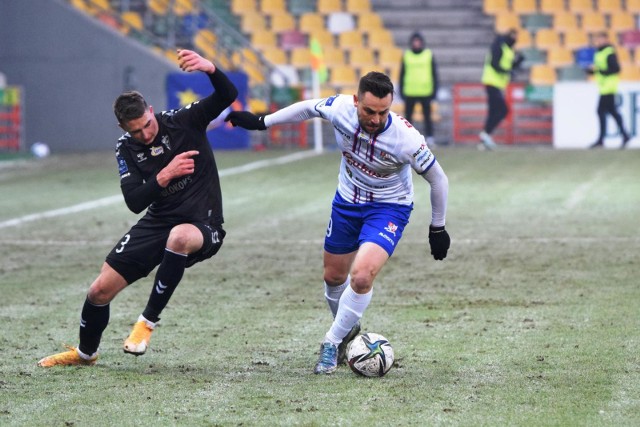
{"points": [[552, 32]]}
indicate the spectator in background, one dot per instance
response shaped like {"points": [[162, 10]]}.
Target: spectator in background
{"points": [[607, 73], [499, 63], [419, 82]]}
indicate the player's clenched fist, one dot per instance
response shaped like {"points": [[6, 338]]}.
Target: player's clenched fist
{"points": [[182, 164], [439, 241]]}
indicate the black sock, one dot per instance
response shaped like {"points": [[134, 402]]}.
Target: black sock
{"points": [[167, 278], [93, 322]]}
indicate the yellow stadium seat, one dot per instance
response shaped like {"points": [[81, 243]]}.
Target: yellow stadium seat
{"points": [[492, 7], [361, 58], [564, 21], [275, 55], [623, 54], [183, 7], [328, 6], [102, 5], [133, 20], [358, 6], [379, 39], [205, 40], [524, 39], [636, 55], [542, 75], [609, 6], [575, 39], [252, 21], [159, 7], [369, 21], [350, 40], [310, 22], [342, 75], [622, 21], [273, 6], [324, 37], [580, 6], [171, 55], [506, 21], [560, 57], [390, 57], [552, 6], [333, 55], [593, 21], [633, 6], [260, 39], [282, 21], [546, 38], [524, 6], [630, 72], [300, 57], [241, 6]]}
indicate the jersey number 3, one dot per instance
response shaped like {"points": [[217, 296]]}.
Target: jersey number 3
{"points": [[124, 241]]}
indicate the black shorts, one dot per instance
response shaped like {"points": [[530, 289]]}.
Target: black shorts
{"points": [[141, 249]]}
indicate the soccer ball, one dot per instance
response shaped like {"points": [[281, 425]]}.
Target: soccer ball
{"points": [[40, 150], [370, 355]]}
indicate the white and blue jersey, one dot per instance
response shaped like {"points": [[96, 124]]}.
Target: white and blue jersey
{"points": [[375, 168], [374, 198]]}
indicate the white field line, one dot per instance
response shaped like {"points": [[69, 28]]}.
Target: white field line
{"points": [[319, 241], [105, 201], [581, 191]]}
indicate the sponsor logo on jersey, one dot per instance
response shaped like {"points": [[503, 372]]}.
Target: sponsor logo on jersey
{"points": [[360, 166], [141, 157], [156, 151], [122, 167], [344, 134], [176, 186], [387, 238], [420, 150], [391, 228]]}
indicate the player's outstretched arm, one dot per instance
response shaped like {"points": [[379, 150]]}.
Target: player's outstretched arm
{"points": [[246, 120], [190, 61], [439, 239]]}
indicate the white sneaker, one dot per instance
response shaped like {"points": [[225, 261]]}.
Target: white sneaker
{"points": [[487, 141]]}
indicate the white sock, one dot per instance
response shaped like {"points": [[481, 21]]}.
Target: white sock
{"points": [[149, 323], [350, 310], [333, 293], [84, 355]]}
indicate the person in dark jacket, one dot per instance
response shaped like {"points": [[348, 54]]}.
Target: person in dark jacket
{"points": [[419, 82], [166, 166], [607, 73], [500, 62]]}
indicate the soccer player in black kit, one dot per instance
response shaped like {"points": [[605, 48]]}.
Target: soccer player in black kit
{"points": [[166, 165]]}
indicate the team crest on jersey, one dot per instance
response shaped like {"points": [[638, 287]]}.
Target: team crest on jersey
{"points": [[156, 151], [141, 157], [391, 228]]}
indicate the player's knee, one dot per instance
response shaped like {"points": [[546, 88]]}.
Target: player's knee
{"points": [[334, 278], [362, 281], [100, 294], [179, 240]]}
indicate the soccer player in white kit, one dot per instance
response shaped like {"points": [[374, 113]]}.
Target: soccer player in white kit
{"points": [[373, 201]]}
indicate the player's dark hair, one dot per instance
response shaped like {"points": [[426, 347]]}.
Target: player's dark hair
{"points": [[129, 106], [377, 83]]}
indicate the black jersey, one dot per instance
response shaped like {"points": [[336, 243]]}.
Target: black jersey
{"points": [[195, 197]]}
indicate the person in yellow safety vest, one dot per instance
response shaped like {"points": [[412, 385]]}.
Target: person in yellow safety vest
{"points": [[607, 74], [500, 62], [419, 82]]}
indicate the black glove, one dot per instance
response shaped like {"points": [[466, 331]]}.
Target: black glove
{"points": [[439, 241], [246, 120]]}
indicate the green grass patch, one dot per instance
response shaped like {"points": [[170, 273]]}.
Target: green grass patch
{"points": [[531, 320]]}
